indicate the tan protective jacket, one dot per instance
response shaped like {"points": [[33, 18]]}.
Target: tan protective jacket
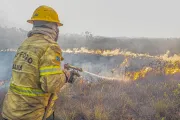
{"points": [[36, 73]]}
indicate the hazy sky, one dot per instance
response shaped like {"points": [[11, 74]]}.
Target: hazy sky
{"points": [[132, 18]]}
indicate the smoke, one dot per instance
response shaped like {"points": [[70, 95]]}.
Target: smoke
{"points": [[13, 37], [6, 65], [107, 65]]}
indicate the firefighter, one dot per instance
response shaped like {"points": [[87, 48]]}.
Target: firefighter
{"points": [[36, 71]]}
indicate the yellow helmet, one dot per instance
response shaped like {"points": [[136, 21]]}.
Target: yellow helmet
{"points": [[45, 13]]}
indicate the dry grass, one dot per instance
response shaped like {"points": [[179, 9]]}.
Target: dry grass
{"points": [[157, 99]]}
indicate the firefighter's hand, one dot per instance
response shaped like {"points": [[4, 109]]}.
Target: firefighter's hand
{"points": [[67, 74], [73, 76]]}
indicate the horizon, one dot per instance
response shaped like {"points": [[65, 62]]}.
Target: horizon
{"points": [[94, 35]]}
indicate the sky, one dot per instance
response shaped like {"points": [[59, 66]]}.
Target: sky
{"points": [[113, 18]]}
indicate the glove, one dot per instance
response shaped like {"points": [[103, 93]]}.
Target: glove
{"points": [[67, 74], [71, 75]]}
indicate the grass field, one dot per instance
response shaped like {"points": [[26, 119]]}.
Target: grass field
{"points": [[151, 98], [148, 94]]}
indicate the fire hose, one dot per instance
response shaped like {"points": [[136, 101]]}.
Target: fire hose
{"points": [[78, 69], [74, 72]]}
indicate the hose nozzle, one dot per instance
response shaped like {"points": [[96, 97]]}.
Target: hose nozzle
{"points": [[69, 66]]}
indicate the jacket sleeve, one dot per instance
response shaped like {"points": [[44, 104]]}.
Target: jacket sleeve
{"points": [[52, 77]]}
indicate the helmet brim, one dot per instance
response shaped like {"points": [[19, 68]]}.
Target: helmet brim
{"points": [[58, 23]]}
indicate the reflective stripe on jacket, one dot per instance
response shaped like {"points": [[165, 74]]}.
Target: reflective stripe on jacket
{"points": [[36, 73]]}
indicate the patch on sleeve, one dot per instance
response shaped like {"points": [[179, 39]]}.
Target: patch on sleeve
{"points": [[56, 59], [58, 55]]}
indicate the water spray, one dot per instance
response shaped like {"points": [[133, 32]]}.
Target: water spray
{"points": [[102, 77], [77, 69]]}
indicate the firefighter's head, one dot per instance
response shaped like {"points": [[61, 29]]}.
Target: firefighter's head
{"points": [[47, 17]]}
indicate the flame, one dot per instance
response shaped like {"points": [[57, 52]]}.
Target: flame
{"points": [[171, 64], [139, 74], [115, 52], [125, 63], [164, 66], [170, 68]]}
